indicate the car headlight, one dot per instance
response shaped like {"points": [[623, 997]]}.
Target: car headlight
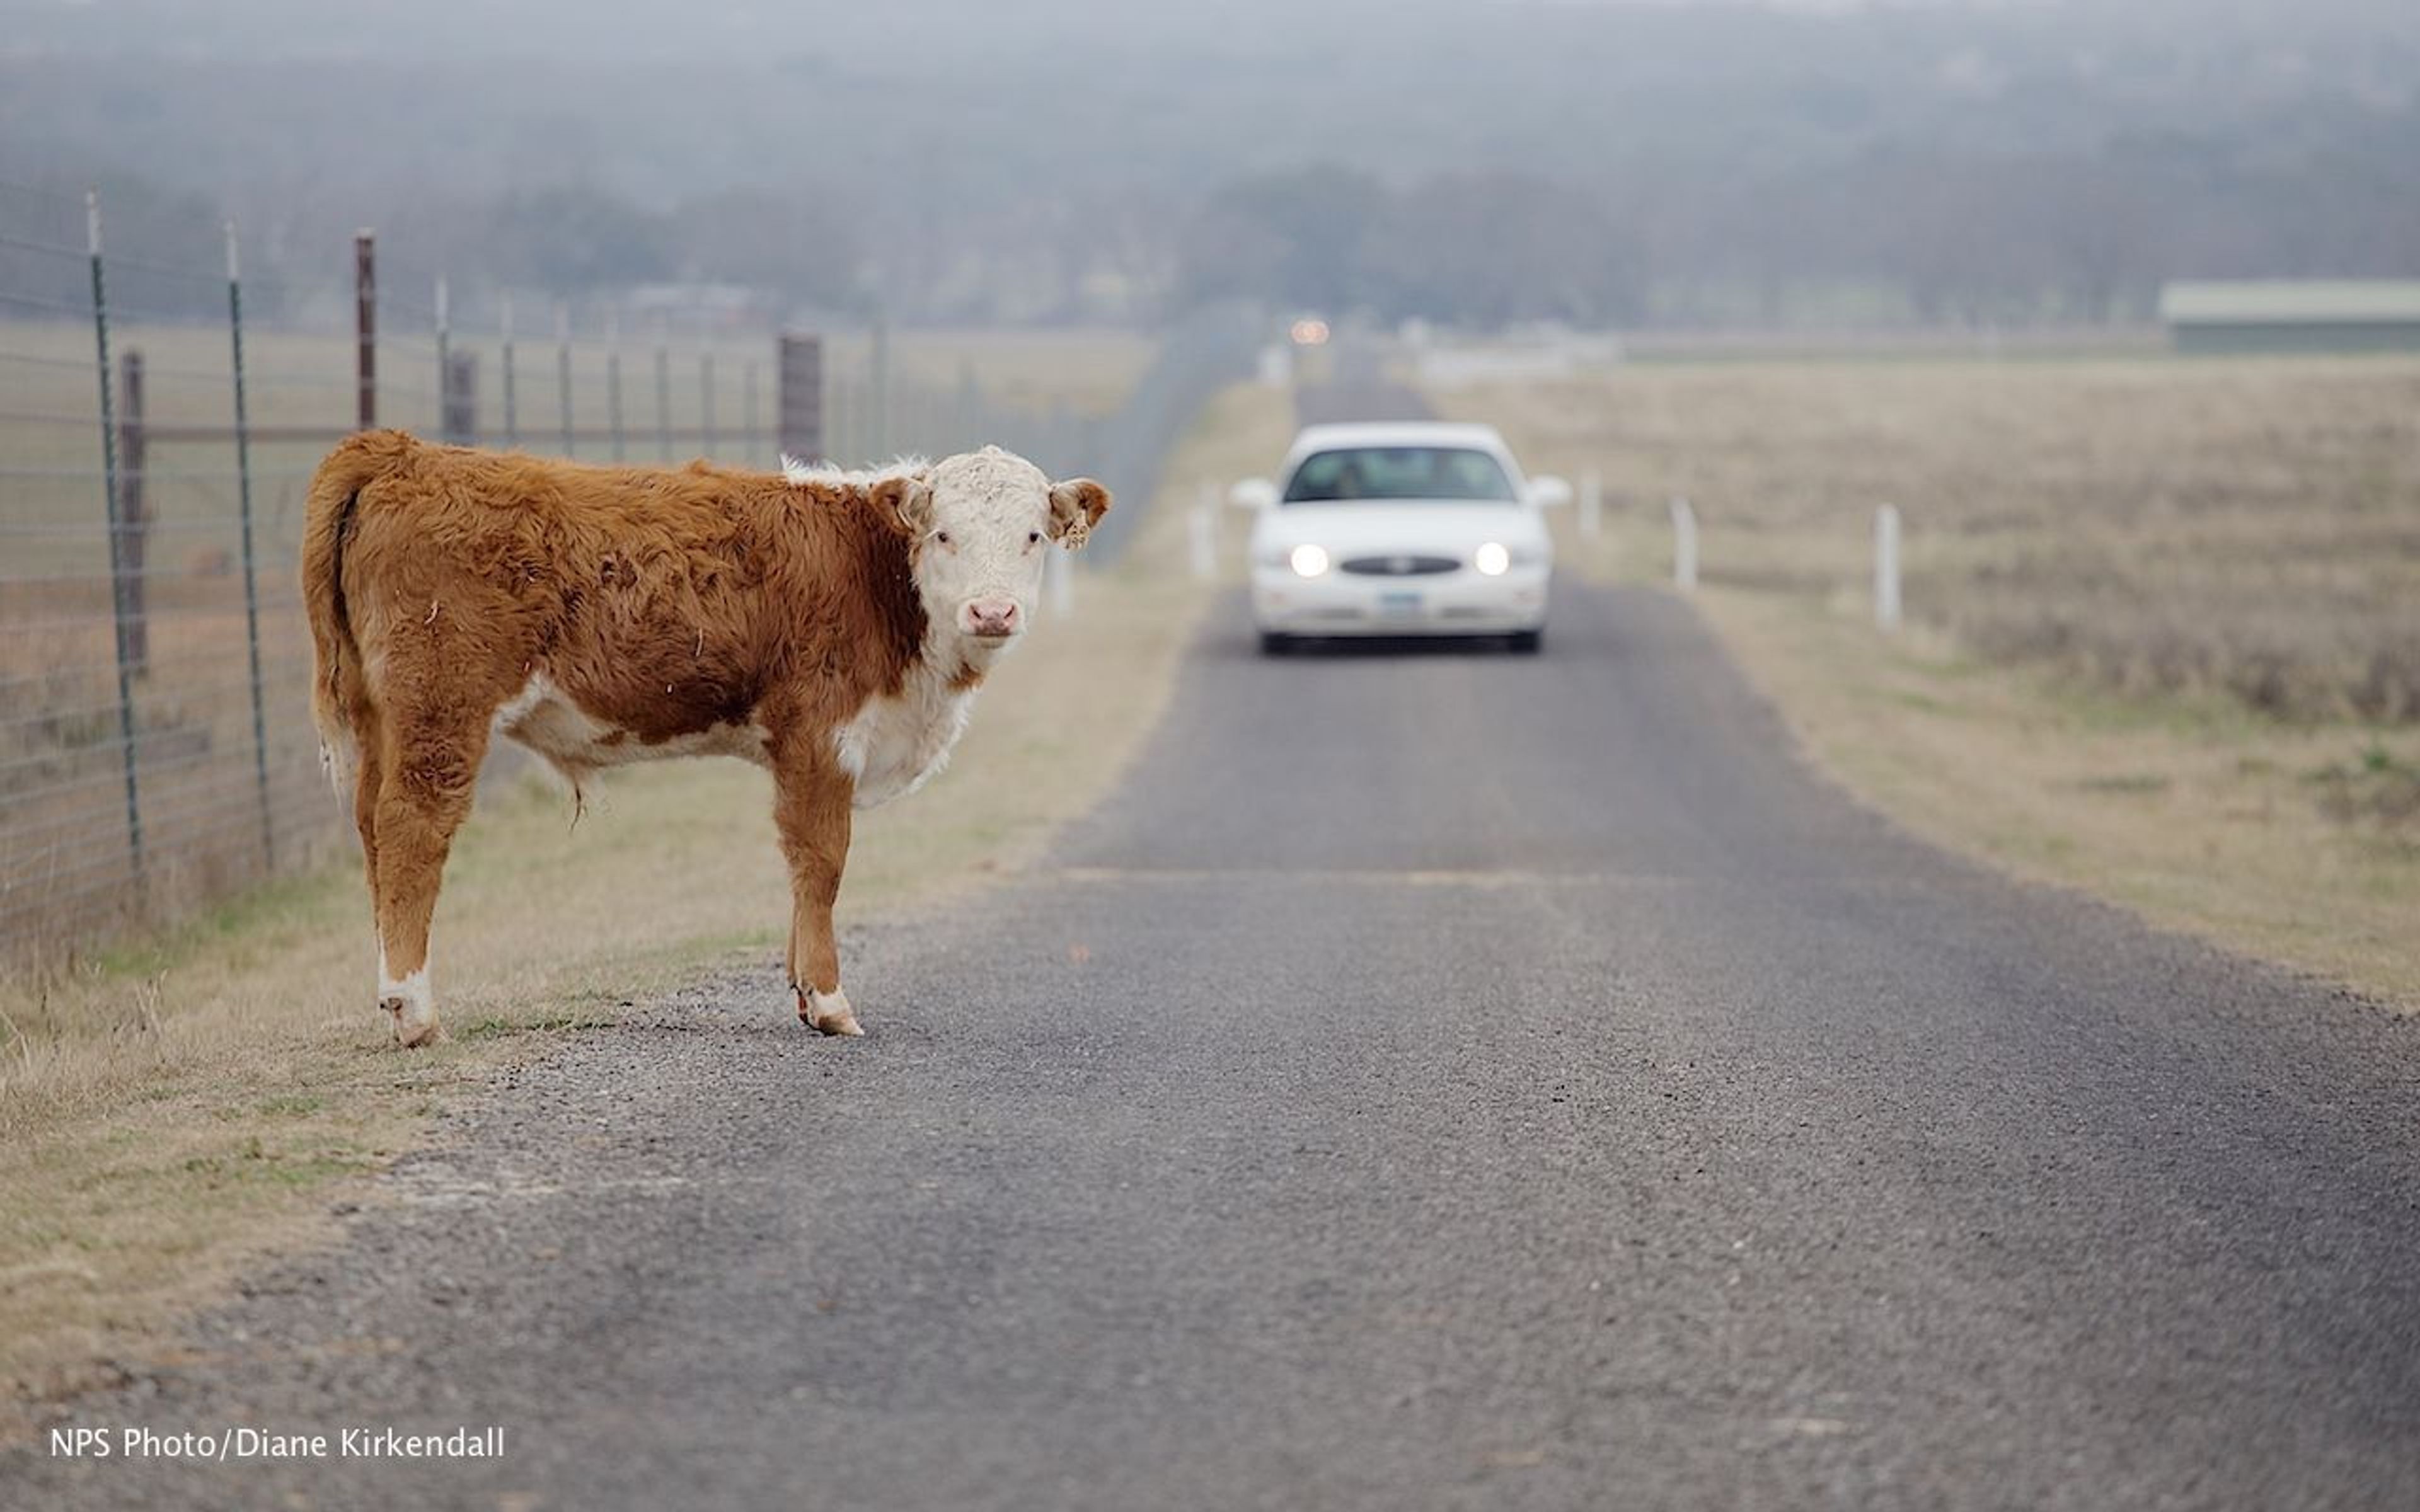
{"points": [[1492, 560], [1309, 561]]}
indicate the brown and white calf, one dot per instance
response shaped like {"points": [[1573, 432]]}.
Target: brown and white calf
{"points": [[831, 627]]}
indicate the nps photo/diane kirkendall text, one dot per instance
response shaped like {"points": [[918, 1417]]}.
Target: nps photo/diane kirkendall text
{"points": [[236, 1444]]}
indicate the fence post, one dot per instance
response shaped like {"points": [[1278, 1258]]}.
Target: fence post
{"points": [[117, 567], [748, 409], [1886, 614], [366, 327], [444, 363], [460, 411], [613, 377], [663, 389], [1592, 503], [798, 396], [251, 567], [505, 358], [878, 407], [1684, 545], [1203, 527], [706, 401], [133, 510], [563, 371]]}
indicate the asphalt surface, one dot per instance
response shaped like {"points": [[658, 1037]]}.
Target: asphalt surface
{"points": [[1434, 1079]]}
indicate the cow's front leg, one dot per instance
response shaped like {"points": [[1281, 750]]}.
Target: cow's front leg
{"points": [[811, 805]]}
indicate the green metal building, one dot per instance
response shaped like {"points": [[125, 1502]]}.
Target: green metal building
{"points": [[2292, 316]]}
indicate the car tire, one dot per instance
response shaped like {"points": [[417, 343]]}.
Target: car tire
{"points": [[1275, 643], [1525, 643]]}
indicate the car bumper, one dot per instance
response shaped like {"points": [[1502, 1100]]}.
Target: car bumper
{"points": [[1455, 603]]}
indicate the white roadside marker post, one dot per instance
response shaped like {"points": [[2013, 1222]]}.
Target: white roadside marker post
{"points": [[1684, 546], [1058, 585], [1592, 503], [1886, 613], [1201, 527]]}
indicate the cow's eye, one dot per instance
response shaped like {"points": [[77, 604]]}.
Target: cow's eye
{"points": [[1033, 539], [942, 536]]}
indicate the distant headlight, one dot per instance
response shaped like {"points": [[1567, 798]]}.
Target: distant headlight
{"points": [[1309, 561], [1492, 560]]}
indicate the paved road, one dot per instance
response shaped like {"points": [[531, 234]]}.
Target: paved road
{"points": [[1444, 1080]]}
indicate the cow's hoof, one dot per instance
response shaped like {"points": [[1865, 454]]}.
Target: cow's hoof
{"points": [[827, 1012], [411, 1032]]}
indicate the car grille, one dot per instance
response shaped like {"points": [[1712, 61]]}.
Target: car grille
{"points": [[1399, 566]]}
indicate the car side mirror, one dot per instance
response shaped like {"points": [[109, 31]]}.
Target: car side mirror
{"points": [[1253, 494], [1549, 492]]}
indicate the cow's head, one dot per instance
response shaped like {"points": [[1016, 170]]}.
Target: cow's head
{"points": [[978, 524]]}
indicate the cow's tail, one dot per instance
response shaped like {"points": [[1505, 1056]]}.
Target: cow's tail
{"points": [[337, 686]]}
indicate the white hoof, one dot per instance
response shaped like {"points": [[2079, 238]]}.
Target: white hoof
{"points": [[827, 1012], [413, 1007]]}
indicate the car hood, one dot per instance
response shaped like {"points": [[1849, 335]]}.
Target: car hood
{"points": [[1376, 526]]}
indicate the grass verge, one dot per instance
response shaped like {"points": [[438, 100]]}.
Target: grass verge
{"points": [[2268, 838]]}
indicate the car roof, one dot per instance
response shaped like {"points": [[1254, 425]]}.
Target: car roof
{"points": [[1397, 433]]}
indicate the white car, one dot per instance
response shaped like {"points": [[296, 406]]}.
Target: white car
{"points": [[1412, 528]]}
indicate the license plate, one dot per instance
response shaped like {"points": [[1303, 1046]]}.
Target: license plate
{"points": [[1398, 604]]}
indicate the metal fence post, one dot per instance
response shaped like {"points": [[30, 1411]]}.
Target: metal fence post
{"points": [[877, 400], [563, 369], [1684, 545], [366, 327], [613, 377], [748, 409], [1886, 613], [663, 390], [133, 510], [117, 567], [798, 396], [251, 571], [445, 363], [505, 358]]}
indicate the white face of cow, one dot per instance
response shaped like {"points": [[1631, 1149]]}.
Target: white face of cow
{"points": [[981, 522]]}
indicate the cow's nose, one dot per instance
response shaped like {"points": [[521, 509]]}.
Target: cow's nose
{"points": [[990, 616]]}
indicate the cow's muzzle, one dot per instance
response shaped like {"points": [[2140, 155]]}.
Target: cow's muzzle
{"points": [[990, 619]]}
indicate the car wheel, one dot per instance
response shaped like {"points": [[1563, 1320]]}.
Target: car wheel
{"points": [[1275, 643], [1525, 643]]}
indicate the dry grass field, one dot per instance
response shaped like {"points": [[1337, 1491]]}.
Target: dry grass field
{"points": [[171, 1109], [2164, 635]]}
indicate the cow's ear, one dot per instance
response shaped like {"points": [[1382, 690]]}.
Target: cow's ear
{"points": [[1076, 506], [904, 502]]}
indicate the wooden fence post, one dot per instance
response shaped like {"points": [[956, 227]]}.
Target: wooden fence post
{"points": [[365, 327], [798, 396]]}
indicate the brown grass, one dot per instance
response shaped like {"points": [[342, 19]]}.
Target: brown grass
{"points": [[2250, 529], [171, 1111], [2164, 615]]}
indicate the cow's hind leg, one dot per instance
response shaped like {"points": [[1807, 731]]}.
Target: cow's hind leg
{"points": [[811, 807], [367, 779], [428, 773]]}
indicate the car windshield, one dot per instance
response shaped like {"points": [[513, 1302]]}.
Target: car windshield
{"points": [[1397, 473]]}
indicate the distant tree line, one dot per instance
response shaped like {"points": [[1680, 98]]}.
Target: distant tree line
{"points": [[1462, 163], [1903, 234]]}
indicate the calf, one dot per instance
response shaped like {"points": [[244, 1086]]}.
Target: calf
{"points": [[832, 627]]}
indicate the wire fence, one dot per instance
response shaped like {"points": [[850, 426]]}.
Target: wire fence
{"points": [[156, 440]]}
